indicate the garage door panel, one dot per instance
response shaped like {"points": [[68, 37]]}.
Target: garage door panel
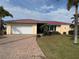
{"points": [[22, 29]]}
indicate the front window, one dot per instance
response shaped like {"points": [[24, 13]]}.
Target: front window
{"points": [[52, 27]]}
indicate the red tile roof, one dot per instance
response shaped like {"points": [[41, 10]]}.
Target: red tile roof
{"points": [[56, 23], [28, 21]]}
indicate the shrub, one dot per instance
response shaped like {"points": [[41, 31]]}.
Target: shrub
{"points": [[64, 33], [55, 33], [45, 33], [71, 32]]}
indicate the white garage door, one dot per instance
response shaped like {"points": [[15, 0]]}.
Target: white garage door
{"points": [[22, 29]]}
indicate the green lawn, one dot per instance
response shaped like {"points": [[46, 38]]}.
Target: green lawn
{"points": [[58, 47]]}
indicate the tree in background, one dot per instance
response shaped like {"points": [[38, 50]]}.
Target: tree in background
{"points": [[3, 13]]}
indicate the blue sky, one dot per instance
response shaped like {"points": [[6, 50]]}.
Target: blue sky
{"points": [[38, 9]]}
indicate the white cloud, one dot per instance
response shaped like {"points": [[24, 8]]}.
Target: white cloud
{"points": [[19, 12], [46, 7], [57, 15], [61, 15], [8, 0]]}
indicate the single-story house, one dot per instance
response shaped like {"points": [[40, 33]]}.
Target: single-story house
{"points": [[30, 26]]}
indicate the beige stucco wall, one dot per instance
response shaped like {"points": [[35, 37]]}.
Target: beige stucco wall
{"points": [[63, 28], [34, 28], [9, 28]]}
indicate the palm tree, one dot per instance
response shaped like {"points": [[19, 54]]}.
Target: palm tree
{"points": [[74, 3], [3, 13]]}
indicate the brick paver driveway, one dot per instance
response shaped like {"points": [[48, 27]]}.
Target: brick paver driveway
{"points": [[20, 47]]}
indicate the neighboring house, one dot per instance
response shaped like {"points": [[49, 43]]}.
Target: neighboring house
{"points": [[29, 26]]}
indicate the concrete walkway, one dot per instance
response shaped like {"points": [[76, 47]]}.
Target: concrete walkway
{"points": [[20, 47]]}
